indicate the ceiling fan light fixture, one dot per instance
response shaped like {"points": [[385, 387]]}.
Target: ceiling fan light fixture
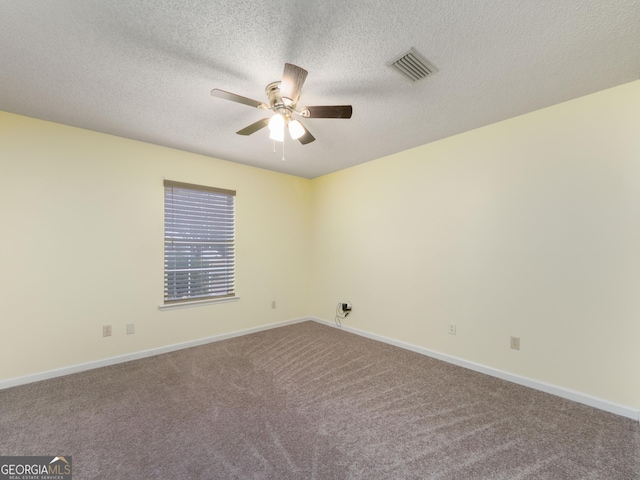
{"points": [[276, 122], [277, 135], [283, 98], [276, 128], [296, 130]]}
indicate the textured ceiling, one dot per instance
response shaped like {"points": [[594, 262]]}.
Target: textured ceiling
{"points": [[145, 69]]}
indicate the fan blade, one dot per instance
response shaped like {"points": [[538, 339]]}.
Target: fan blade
{"points": [[327, 111], [307, 137], [216, 92], [293, 78], [254, 127]]}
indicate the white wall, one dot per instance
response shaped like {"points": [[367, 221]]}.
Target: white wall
{"points": [[529, 227], [82, 246]]}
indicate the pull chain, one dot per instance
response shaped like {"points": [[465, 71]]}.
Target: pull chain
{"points": [[274, 149]]}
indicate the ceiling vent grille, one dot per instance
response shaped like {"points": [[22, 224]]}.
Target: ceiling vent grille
{"points": [[413, 66]]}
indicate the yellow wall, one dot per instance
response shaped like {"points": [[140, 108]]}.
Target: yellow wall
{"points": [[529, 227], [82, 246]]}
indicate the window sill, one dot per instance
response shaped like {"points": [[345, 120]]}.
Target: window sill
{"points": [[197, 303]]}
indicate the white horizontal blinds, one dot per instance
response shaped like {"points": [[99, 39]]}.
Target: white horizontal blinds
{"points": [[199, 242]]}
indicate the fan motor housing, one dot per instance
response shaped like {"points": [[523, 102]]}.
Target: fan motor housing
{"points": [[276, 102]]}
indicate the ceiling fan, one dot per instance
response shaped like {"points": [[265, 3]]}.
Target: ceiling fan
{"points": [[283, 100]]}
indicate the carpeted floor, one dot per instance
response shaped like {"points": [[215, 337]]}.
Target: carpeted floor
{"points": [[309, 401]]}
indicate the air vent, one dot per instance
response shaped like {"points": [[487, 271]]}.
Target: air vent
{"points": [[413, 66]]}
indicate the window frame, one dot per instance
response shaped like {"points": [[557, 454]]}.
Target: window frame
{"points": [[216, 239]]}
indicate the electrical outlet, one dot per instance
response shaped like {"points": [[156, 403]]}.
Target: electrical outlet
{"points": [[452, 329], [106, 330], [515, 343], [131, 328]]}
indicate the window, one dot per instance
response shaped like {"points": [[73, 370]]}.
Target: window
{"points": [[199, 242]]}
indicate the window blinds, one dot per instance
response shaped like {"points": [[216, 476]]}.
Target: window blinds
{"points": [[199, 242]]}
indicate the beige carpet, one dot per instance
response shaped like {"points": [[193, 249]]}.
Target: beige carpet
{"points": [[308, 401]]}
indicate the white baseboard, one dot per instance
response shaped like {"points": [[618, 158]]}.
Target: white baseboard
{"points": [[527, 382], [510, 377], [59, 372]]}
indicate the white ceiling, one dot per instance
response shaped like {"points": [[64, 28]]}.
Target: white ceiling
{"points": [[144, 69]]}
